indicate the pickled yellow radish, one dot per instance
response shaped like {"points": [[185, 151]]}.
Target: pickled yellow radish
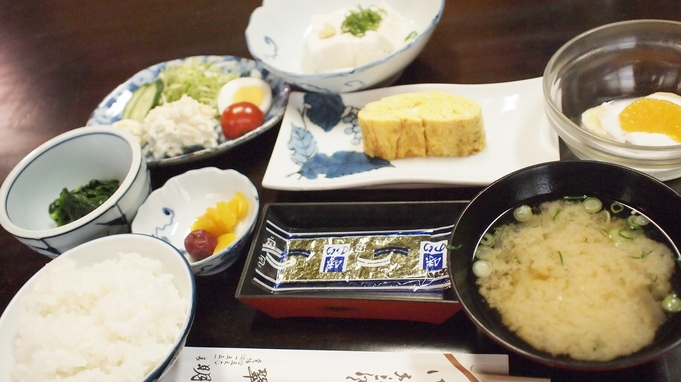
{"points": [[222, 219], [206, 224], [240, 204], [223, 241], [227, 216]]}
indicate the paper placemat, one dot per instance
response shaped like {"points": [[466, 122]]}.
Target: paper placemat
{"points": [[272, 365]]}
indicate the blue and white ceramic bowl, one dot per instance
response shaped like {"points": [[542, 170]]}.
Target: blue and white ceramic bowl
{"points": [[71, 160], [111, 107], [97, 251], [170, 210], [277, 32]]}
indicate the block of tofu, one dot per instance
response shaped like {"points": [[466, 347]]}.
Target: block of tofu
{"points": [[329, 49], [421, 124]]}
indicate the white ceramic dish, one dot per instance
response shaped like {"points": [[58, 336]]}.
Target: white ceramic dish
{"points": [[71, 160], [97, 251], [277, 32], [111, 108], [171, 209], [327, 154]]}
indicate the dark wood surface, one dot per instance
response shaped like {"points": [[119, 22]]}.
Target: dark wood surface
{"points": [[59, 58]]}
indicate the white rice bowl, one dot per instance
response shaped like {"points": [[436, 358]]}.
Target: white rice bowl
{"points": [[117, 308]]}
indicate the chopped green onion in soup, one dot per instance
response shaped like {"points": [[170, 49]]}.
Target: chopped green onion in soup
{"points": [[592, 204], [482, 268], [483, 252], [522, 213], [488, 239], [671, 303]]}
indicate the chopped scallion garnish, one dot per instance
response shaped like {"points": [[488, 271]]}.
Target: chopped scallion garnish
{"points": [[482, 268], [629, 233], [411, 36], [643, 255], [488, 239], [483, 252], [522, 213], [556, 214], [359, 22], [592, 204], [671, 303], [616, 207], [636, 221], [579, 197]]}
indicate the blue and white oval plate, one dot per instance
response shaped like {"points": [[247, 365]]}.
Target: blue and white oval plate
{"points": [[111, 108]]}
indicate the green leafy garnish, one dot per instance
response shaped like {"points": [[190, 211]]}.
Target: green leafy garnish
{"points": [[201, 80], [411, 36], [361, 21], [453, 247], [73, 205]]}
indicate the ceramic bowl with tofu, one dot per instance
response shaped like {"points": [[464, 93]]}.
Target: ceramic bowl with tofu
{"points": [[171, 213], [340, 46]]}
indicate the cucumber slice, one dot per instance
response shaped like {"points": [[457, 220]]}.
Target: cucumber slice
{"points": [[143, 99], [133, 100]]}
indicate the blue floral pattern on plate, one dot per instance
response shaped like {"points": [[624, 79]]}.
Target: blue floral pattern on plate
{"points": [[328, 112], [110, 109], [319, 146]]}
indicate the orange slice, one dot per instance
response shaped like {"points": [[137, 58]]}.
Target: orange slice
{"points": [[650, 115]]}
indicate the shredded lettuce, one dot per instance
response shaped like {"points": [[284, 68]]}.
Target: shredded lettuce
{"points": [[201, 80]]}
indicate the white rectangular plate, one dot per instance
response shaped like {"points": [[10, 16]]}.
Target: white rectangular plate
{"points": [[319, 144]]}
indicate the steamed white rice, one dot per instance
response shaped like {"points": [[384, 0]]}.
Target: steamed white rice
{"points": [[112, 321]]}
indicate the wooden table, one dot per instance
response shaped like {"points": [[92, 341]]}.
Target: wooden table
{"points": [[59, 58]]}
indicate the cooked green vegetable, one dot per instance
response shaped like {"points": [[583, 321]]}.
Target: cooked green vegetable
{"points": [[361, 21], [201, 80], [73, 205]]}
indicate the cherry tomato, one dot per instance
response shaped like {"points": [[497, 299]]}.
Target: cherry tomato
{"points": [[240, 118], [200, 244]]}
